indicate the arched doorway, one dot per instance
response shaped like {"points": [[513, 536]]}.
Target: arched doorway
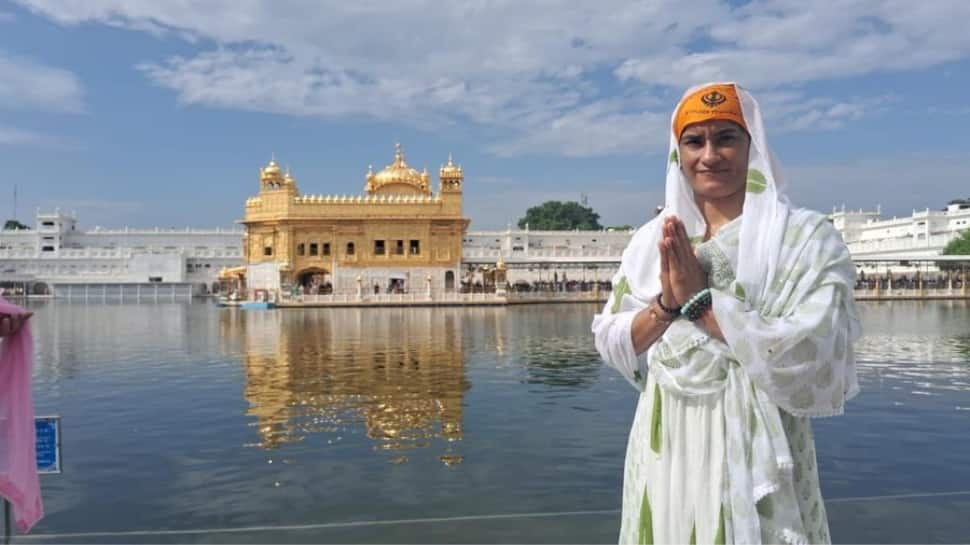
{"points": [[315, 280], [450, 281]]}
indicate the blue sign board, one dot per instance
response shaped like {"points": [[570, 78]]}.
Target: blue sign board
{"points": [[48, 444]]}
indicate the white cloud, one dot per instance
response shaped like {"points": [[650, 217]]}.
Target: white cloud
{"points": [[13, 136], [594, 129], [772, 43], [27, 85], [573, 78], [795, 111], [899, 184]]}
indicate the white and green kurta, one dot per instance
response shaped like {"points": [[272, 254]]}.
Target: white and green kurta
{"points": [[721, 448], [671, 457]]}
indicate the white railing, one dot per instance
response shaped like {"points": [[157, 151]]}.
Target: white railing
{"points": [[162, 231], [123, 292], [18, 254], [912, 293], [120, 253], [539, 296], [600, 251], [392, 298]]}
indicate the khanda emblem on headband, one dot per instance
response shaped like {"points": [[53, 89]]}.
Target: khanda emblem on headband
{"points": [[713, 99]]}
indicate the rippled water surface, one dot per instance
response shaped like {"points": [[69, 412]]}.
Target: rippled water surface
{"points": [[286, 424]]}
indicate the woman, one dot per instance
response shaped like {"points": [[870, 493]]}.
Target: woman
{"points": [[736, 328]]}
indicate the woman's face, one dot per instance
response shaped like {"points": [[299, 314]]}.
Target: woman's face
{"points": [[714, 158]]}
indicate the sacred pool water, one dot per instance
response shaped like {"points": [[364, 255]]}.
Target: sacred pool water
{"points": [[191, 423]]}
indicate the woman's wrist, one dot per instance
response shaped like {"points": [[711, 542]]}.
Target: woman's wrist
{"points": [[708, 323], [649, 324], [661, 316]]}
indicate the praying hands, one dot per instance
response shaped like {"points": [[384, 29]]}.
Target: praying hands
{"points": [[681, 275]]}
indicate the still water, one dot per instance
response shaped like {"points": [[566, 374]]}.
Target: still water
{"points": [[191, 423]]}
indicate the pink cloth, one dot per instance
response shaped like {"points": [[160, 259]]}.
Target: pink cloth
{"points": [[18, 458]]}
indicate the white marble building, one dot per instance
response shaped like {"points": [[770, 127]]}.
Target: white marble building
{"points": [[56, 252], [922, 235], [546, 256]]}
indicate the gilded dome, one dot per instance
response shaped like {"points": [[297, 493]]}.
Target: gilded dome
{"points": [[398, 177], [272, 167], [451, 170]]}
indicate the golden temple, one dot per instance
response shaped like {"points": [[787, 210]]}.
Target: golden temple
{"points": [[397, 236]]}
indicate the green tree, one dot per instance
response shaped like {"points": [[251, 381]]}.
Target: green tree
{"points": [[959, 245], [560, 216], [14, 224]]}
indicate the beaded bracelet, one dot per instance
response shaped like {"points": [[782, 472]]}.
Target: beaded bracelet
{"points": [[695, 307], [675, 310], [694, 298]]}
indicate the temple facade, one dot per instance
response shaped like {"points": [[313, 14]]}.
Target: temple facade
{"points": [[398, 236]]}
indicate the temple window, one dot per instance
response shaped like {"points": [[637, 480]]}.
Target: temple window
{"points": [[415, 247], [301, 249], [313, 248], [267, 250], [350, 248], [399, 247], [378, 247], [326, 248]]}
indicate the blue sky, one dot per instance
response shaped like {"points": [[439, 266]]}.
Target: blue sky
{"points": [[148, 113]]}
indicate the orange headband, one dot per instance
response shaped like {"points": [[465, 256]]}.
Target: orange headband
{"points": [[711, 102]]}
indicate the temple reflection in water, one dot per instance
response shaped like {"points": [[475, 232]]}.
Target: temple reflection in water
{"points": [[397, 373]]}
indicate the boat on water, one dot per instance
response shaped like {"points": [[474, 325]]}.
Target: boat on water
{"points": [[257, 305]]}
